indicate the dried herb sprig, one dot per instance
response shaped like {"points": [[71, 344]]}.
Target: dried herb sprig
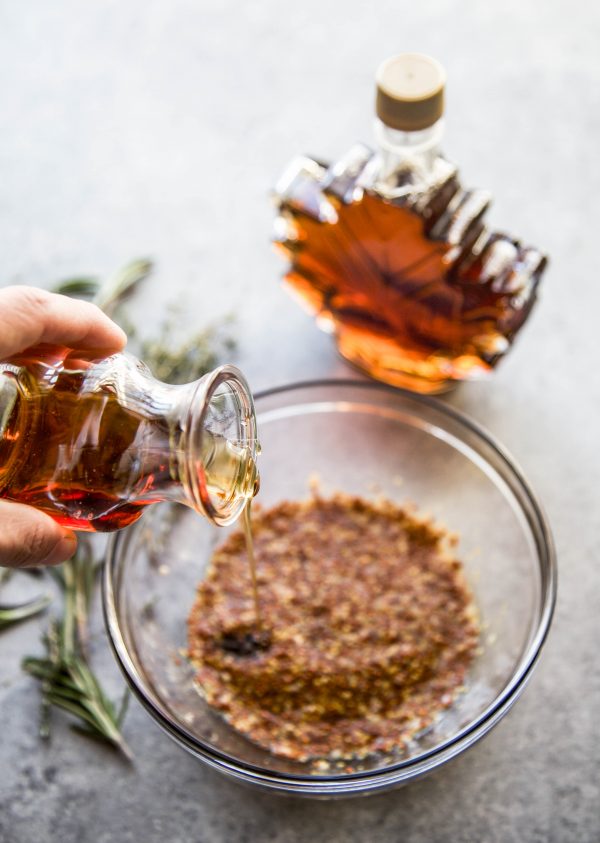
{"points": [[190, 360], [66, 678]]}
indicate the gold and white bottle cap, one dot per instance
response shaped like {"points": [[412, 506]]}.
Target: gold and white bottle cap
{"points": [[410, 92]]}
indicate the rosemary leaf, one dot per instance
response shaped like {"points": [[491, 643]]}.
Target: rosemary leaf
{"points": [[17, 612], [118, 287], [112, 292], [10, 615], [123, 706], [67, 633], [47, 669], [80, 711], [78, 288], [63, 692]]}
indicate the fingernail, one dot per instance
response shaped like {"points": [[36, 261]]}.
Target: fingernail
{"points": [[63, 550]]}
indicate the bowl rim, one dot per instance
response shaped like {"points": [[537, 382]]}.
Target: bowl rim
{"points": [[403, 770]]}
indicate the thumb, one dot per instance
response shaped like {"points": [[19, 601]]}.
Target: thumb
{"points": [[29, 537]]}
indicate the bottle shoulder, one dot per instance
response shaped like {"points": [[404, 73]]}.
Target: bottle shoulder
{"points": [[410, 181], [312, 186]]}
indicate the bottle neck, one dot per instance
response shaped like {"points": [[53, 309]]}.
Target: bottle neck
{"points": [[194, 443], [403, 152]]}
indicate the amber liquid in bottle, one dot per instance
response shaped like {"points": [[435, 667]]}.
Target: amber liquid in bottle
{"points": [[74, 479], [94, 458], [415, 296]]}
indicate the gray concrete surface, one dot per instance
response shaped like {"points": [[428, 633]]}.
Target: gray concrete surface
{"points": [[156, 128]]}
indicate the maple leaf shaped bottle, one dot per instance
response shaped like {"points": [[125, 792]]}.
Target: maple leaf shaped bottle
{"points": [[391, 252]]}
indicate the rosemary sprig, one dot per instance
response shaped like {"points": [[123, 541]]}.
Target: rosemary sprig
{"points": [[68, 683], [66, 678]]}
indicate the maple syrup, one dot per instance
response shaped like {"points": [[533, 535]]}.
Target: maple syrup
{"points": [[391, 253], [247, 524], [93, 444]]}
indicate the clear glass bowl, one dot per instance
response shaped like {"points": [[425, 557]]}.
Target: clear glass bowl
{"points": [[365, 439]]}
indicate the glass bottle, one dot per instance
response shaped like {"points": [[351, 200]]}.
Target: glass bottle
{"points": [[92, 443], [392, 254]]}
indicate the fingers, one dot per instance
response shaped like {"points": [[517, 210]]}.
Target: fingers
{"points": [[29, 316], [29, 537]]}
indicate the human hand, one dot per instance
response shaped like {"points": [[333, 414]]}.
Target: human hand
{"points": [[30, 317]]}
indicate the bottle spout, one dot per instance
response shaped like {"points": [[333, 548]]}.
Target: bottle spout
{"points": [[221, 471]]}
